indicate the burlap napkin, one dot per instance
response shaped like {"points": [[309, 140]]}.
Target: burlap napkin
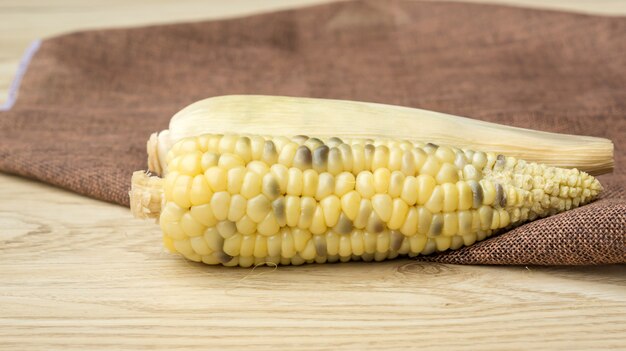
{"points": [[89, 100]]}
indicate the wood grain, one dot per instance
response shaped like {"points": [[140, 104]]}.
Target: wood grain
{"points": [[80, 274], [76, 273]]}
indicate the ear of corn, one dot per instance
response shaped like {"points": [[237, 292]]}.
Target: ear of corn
{"points": [[248, 199], [276, 115]]}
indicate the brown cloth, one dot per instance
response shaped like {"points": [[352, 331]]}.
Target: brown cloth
{"points": [[89, 100]]}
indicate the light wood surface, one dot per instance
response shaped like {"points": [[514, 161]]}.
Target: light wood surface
{"points": [[76, 273]]}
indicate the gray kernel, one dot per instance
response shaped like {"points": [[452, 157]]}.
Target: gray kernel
{"points": [[303, 158], [320, 245], [500, 195], [278, 206], [344, 225], [436, 226], [396, 240], [320, 158], [374, 224], [269, 148], [222, 257], [477, 194]]}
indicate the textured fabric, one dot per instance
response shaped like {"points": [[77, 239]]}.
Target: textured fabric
{"points": [[89, 100]]}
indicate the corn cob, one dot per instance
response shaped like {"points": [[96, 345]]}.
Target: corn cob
{"points": [[247, 199], [277, 115]]}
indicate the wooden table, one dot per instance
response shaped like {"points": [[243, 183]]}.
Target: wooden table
{"points": [[76, 273]]}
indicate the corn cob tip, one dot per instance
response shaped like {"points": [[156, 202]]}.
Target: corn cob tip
{"points": [[153, 154], [158, 146], [146, 194]]}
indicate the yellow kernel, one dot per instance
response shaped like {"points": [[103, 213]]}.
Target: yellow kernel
{"points": [[350, 203], [398, 214], [287, 154], [228, 161], [425, 187], [226, 228], [486, 214], [331, 206], [199, 245], [308, 252], [300, 238], [470, 173], [346, 156], [395, 159], [213, 239], [356, 242], [430, 167], [172, 212], [489, 192], [268, 226], [325, 186], [396, 183], [417, 243], [203, 214], [256, 146], [505, 219], [447, 174], [465, 222], [380, 157], [369, 242], [227, 143], [365, 184], [435, 203], [450, 197], [234, 179], [382, 176], [424, 219], [332, 243], [220, 203], [358, 159], [243, 149], [247, 245], [409, 227], [445, 154], [274, 244], [465, 195], [251, 185], [410, 190], [216, 177], [382, 205], [232, 245], [307, 209], [173, 230], [292, 209], [345, 244], [309, 182], [238, 207], [184, 247], [408, 166], [335, 163], [450, 224], [443, 243], [287, 245], [260, 246], [318, 223], [258, 207], [258, 167], [344, 183], [382, 241], [363, 214], [295, 182], [190, 226], [190, 164]]}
